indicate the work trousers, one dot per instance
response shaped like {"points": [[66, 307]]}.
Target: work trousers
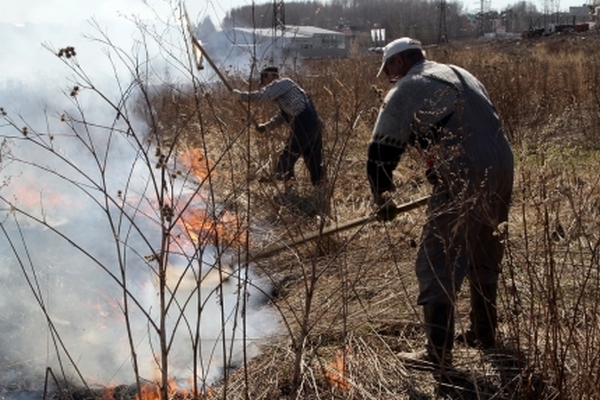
{"points": [[306, 141], [460, 236]]}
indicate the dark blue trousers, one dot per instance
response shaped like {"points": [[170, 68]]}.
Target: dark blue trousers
{"points": [[306, 141]]}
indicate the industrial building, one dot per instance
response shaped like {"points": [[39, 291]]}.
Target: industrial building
{"points": [[290, 42]]}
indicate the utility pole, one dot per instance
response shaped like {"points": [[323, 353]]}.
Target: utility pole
{"points": [[278, 26], [442, 31], [484, 10], [278, 16]]}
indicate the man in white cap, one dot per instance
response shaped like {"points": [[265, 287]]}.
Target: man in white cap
{"points": [[446, 113]]}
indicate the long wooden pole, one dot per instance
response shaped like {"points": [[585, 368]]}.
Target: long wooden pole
{"points": [[212, 64], [196, 43], [277, 247]]}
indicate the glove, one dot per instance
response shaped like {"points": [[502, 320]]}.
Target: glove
{"points": [[385, 208], [261, 128], [432, 176]]}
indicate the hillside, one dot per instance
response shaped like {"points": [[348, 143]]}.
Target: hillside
{"points": [[348, 300]]}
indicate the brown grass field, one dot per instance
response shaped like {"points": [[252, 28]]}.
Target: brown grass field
{"points": [[348, 300]]}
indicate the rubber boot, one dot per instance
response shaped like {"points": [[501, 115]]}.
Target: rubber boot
{"points": [[483, 317], [439, 328], [322, 196]]}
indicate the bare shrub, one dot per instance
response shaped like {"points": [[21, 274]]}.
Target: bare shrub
{"points": [[347, 300]]}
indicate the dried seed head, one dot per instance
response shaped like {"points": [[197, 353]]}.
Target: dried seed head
{"points": [[152, 257], [168, 213], [67, 52]]}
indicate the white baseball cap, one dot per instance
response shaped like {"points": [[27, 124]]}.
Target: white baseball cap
{"points": [[398, 46]]}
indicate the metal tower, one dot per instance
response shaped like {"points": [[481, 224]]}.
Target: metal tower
{"points": [[484, 10], [278, 29], [442, 31], [486, 6], [278, 17]]}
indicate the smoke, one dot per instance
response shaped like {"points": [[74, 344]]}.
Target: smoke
{"points": [[88, 224]]}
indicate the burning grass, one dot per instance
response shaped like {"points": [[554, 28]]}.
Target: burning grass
{"points": [[349, 301]]}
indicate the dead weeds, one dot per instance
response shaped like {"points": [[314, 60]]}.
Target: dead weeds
{"points": [[348, 300]]}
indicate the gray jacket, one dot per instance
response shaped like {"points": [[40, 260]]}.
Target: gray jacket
{"points": [[444, 111]]}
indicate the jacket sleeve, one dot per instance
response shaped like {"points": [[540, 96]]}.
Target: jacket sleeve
{"points": [[382, 159]]}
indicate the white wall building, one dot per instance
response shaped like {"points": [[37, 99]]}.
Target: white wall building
{"points": [[293, 42]]}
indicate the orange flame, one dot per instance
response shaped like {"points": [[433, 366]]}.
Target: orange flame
{"points": [[202, 228], [337, 370], [30, 196], [108, 308], [198, 165], [152, 392], [197, 223], [149, 392]]}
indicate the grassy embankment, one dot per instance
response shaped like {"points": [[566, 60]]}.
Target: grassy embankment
{"points": [[348, 300]]}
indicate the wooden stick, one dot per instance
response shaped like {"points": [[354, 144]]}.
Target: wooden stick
{"points": [[277, 247], [212, 64], [228, 269], [198, 45]]}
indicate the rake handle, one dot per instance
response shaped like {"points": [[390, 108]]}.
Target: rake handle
{"points": [[276, 248], [197, 43], [212, 64]]}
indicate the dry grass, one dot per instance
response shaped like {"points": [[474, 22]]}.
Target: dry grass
{"points": [[348, 300]]}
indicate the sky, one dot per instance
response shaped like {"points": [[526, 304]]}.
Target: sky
{"points": [[45, 11]]}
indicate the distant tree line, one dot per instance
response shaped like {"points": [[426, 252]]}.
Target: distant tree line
{"points": [[417, 18]]}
